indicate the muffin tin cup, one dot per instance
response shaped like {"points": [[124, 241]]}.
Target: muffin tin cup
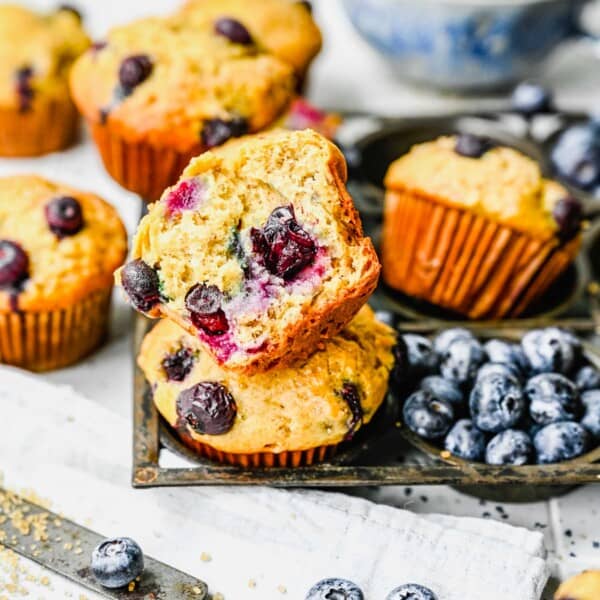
{"points": [[45, 127], [464, 261], [44, 340], [140, 167]]}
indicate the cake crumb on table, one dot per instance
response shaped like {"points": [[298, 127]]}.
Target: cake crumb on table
{"points": [[205, 557]]}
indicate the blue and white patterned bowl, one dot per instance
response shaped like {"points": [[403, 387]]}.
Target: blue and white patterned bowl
{"points": [[464, 45]]}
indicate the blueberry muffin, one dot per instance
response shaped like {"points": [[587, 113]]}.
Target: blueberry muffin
{"points": [[285, 28], [475, 228], [159, 91], [287, 417], [257, 250], [36, 112], [58, 250], [585, 586]]}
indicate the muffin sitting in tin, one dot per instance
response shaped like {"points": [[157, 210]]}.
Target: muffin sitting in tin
{"points": [[475, 228], [284, 417]]}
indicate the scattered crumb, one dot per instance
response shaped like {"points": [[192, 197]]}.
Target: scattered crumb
{"points": [[197, 591], [251, 583], [131, 586], [445, 454], [218, 596], [282, 589], [205, 557]]}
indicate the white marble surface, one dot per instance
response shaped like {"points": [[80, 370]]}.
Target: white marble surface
{"points": [[348, 74]]}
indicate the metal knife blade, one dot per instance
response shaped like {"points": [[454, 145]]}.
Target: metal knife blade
{"points": [[65, 548]]}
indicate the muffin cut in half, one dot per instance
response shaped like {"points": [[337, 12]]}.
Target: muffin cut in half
{"points": [[258, 250], [288, 417]]}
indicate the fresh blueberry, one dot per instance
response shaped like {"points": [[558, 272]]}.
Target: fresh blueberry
{"points": [[466, 441], [24, 89], [133, 71], [285, 248], [445, 389], [587, 378], [207, 407], [334, 588], [591, 413], [500, 351], [351, 396], [462, 360], [530, 99], [552, 397], [415, 357], [428, 416], [64, 216], [506, 369], [117, 562], [510, 447], [568, 214], [177, 365], [560, 441], [217, 131], [141, 283], [551, 350], [411, 591], [14, 264], [442, 340], [472, 146], [233, 30], [205, 305], [496, 402]]}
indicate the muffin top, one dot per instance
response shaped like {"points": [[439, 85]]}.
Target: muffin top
{"points": [[57, 244], [585, 586], [501, 183], [36, 53], [165, 81], [320, 402], [285, 28]]}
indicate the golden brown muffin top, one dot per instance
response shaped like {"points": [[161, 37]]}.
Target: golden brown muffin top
{"points": [[502, 184], [284, 409], [187, 76], [36, 52], [585, 586], [64, 264]]}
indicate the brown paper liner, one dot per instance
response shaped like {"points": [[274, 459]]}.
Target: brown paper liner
{"points": [[140, 167], [295, 458], [465, 262], [45, 127], [40, 341]]}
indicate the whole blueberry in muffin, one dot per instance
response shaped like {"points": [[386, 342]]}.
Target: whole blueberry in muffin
{"points": [[552, 397], [207, 407], [510, 447]]}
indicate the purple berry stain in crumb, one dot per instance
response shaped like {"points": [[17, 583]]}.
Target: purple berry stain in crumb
{"points": [[233, 30], [14, 270], [177, 365], [207, 407], [205, 305], [140, 282], [568, 214], [64, 216], [133, 71], [24, 89], [351, 396], [217, 131], [97, 46], [186, 196], [472, 146], [284, 246]]}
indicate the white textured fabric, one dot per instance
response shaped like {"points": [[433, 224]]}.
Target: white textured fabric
{"points": [[77, 455]]}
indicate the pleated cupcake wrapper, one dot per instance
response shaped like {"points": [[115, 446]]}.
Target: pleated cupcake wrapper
{"points": [[292, 458], [139, 167], [40, 341], [466, 262], [45, 127]]}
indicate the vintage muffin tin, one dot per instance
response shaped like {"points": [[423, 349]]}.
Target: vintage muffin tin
{"points": [[384, 453]]}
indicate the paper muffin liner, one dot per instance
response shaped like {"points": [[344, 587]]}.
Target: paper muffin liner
{"points": [[291, 458], [140, 167], [44, 340], [45, 127], [465, 262]]}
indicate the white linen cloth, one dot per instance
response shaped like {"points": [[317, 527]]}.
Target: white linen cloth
{"points": [[262, 543]]}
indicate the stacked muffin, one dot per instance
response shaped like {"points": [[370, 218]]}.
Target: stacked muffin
{"points": [[257, 259]]}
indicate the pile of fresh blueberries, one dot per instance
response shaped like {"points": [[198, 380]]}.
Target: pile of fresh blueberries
{"points": [[341, 589], [499, 402]]}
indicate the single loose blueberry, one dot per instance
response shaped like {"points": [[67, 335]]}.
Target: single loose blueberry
{"points": [[14, 264], [217, 131], [551, 350], [506, 369], [427, 416], [442, 340], [529, 99], [415, 357], [568, 214], [64, 216], [472, 146], [591, 414], [587, 378], [510, 447], [133, 71], [177, 365], [496, 402], [501, 351], [117, 562], [233, 30], [462, 360], [466, 441], [560, 441], [411, 591], [334, 588], [205, 303], [140, 282], [207, 407], [445, 389], [552, 397]]}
